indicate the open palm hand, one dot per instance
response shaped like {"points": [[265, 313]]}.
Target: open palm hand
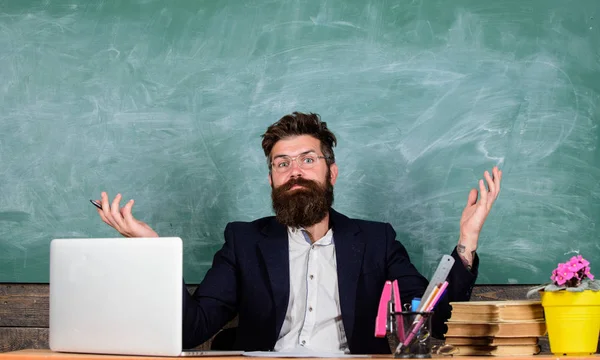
{"points": [[477, 210]]}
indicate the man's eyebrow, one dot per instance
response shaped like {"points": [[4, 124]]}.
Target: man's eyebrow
{"points": [[303, 153]]}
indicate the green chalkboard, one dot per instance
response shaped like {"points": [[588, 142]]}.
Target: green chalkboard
{"points": [[165, 102]]}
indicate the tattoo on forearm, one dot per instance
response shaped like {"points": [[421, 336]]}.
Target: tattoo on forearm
{"points": [[461, 250]]}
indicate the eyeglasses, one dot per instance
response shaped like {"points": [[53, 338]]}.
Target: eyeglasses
{"points": [[283, 164]]}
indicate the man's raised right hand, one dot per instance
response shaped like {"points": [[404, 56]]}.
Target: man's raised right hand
{"points": [[121, 218]]}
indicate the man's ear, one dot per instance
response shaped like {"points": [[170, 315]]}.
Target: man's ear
{"points": [[334, 173], [271, 178]]}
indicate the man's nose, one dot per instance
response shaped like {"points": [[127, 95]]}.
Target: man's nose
{"points": [[295, 170]]}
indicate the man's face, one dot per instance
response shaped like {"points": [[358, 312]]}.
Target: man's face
{"points": [[302, 195]]}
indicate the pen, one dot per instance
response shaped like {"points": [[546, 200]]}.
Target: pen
{"points": [[96, 204]]}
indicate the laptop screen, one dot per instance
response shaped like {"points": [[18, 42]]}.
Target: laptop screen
{"points": [[116, 296]]}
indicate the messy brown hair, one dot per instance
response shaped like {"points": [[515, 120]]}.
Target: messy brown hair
{"points": [[296, 124]]}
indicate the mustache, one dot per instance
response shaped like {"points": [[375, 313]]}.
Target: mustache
{"points": [[310, 184]]}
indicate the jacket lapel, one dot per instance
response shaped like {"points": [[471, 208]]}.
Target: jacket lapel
{"points": [[349, 250], [274, 248]]}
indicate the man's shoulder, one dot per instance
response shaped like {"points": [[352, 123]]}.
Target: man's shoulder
{"points": [[339, 217], [364, 222], [372, 227]]}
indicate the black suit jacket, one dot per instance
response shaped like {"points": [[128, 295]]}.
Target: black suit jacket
{"points": [[250, 277]]}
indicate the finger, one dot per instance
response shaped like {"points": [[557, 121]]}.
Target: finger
{"points": [[126, 213], [104, 200], [483, 193], [472, 199], [106, 210], [490, 182], [497, 179], [101, 213], [114, 211]]}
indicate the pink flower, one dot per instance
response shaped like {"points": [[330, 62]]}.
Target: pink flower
{"points": [[572, 272], [583, 261], [575, 264], [563, 274], [588, 273], [560, 280], [565, 270], [554, 275]]}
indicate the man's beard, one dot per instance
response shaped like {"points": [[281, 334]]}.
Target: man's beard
{"points": [[302, 207]]}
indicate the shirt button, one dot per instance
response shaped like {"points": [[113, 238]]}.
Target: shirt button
{"points": [[303, 342], [311, 277], [312, 247], [310, 308]]}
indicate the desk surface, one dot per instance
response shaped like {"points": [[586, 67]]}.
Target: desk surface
{"points": [[47, 354]]}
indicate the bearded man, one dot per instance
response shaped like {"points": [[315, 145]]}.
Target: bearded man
{"points": [[310, 278]]}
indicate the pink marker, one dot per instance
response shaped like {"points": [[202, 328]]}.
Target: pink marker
{"points": [[438, 296]]}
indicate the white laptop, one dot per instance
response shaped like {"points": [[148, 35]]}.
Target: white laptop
{"points": [[118, 296]]}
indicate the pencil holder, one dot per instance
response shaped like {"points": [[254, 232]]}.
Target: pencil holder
{"points": [[413, 330]]}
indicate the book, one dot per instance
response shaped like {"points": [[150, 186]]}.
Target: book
{"points": [[505, 350], [499, 329], [496, 311], [491, 341]]}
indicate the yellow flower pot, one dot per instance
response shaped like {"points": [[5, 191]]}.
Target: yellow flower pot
{"points": [[572, 320]]}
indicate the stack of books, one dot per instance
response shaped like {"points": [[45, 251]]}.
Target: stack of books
{"points": [[497, 328]]}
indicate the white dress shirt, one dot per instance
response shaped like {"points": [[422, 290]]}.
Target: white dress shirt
{"points": [[313, 320]]}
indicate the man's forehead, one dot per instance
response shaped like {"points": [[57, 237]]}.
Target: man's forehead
{"points": [[296, 145]]}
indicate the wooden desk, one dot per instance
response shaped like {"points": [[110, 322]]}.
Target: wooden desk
{"points": [[47, 354]]}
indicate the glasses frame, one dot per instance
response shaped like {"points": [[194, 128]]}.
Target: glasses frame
{"points": [[295, 159]]}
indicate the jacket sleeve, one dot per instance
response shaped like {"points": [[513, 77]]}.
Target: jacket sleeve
{"points": [[215, 301], [412, 284], [399, 267]]}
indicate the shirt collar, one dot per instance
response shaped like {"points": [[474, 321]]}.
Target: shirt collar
{"points": [[301, 236]]}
